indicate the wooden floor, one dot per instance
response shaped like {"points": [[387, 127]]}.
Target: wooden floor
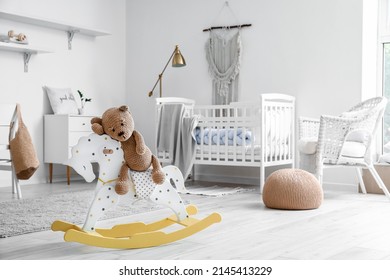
{"points": [[347, 226]]}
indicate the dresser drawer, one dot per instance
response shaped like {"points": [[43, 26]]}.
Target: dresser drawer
{"points": [[80, 124]]}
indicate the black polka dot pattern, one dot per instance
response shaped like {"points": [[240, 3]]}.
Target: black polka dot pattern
{"points": [[144, 185]]}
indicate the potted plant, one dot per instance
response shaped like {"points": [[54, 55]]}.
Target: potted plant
{"points": [[84, 100]]}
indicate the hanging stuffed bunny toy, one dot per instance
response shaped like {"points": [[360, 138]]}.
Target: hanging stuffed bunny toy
{"points": [[119, 125]]}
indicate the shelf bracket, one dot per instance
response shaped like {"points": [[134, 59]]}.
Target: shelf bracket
{"points": [[70, 37], [26, 59]]}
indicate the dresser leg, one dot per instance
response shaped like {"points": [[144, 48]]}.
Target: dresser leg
{"points": [[51, 173], [68, 173]]}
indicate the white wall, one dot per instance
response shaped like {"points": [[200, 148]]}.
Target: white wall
{"points": [[95, 65], [308, 48], [311, 49]]}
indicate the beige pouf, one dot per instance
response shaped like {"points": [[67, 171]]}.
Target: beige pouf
{"points": [[292, 189]]}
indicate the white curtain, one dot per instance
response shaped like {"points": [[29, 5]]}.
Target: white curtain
{"points": [[223, 53]]}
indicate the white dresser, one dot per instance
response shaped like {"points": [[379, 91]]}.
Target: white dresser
{"points": [[61, 132]]}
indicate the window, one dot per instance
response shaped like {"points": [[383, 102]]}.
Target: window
{"points": [[384, 66], [386, 93]]}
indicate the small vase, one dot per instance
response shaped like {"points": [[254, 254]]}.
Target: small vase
{"points": [[81, 111]]}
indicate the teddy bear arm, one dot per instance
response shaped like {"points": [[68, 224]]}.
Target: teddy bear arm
{"points": [[140, 146], [97, 126]]}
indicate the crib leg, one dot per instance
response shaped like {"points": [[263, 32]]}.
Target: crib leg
{"points": [[167, 196], [262, 178], [104, 199], [192, 175]]}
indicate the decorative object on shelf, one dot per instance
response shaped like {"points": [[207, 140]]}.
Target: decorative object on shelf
{"points": [[177, 61], [83, 101], [62, 100], [17, 38]]}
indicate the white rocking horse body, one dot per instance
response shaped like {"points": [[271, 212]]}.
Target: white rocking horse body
{"points": [[109, 155]]}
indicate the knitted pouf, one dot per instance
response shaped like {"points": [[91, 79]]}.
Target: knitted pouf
{"points": [[292, 189]]}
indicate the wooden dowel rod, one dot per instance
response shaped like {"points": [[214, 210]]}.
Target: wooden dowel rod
{"points": [[227, 27]]}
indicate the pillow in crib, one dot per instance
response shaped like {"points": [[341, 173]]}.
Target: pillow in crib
{"points": [[62, 100]]}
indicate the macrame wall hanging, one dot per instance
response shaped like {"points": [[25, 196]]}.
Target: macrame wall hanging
{"points": [[223, 54]]}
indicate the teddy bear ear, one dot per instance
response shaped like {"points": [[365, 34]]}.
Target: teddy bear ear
{"points": [[97, 126], [124, 108]]}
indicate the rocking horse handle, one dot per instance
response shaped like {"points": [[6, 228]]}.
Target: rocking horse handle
{"points": [[108, 151]]}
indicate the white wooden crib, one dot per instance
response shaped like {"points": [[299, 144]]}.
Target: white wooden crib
{"points": [[253, 134]]}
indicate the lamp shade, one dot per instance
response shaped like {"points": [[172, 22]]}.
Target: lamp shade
{"points": [[178, 59]]}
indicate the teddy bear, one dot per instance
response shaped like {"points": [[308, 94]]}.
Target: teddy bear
{"points": [[118, 123]]}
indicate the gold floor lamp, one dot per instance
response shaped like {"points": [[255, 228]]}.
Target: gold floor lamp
{"points": [[177, 61]]}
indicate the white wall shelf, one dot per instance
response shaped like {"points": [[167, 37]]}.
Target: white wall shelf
{"points": [[27, 51], [70, 29]]}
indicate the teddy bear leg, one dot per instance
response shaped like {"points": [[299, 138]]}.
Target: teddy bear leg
{"points": [[123, 183], [158, 175]]}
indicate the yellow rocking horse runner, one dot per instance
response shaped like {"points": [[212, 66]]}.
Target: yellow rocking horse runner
{"points": [[109, 155]]}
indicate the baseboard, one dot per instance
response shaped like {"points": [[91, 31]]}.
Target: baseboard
{"points": [[340, 186], [6, 183], [228, 179], [64, 178], [256, 181]]}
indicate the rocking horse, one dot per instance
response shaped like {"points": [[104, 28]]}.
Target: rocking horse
{"points": [[109, 155]]}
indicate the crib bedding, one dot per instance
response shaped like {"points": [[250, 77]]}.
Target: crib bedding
{"points": [[237, 136]]}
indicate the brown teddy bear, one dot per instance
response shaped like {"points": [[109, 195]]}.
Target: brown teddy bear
{"points": [[119, 125]]}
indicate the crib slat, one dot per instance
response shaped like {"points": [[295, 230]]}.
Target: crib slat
{"points": [[281, 132], [236, 116]]}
